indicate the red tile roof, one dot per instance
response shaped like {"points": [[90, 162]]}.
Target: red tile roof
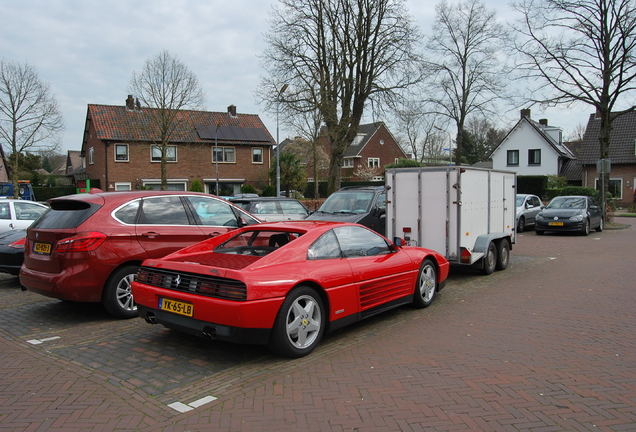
{"points": [[119, 123]]}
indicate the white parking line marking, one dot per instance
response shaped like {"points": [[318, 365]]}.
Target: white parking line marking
{"points": [[181, 407], [39, 341], [202, 401]]}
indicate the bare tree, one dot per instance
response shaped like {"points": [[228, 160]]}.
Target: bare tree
{"points": [[484, 136], [164, 87], [582, 51], [338, 56], [30, 118], [309, 125], [418, 132], [467, 67]]}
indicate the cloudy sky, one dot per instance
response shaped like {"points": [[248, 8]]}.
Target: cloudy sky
{"points": [[87, 50]]}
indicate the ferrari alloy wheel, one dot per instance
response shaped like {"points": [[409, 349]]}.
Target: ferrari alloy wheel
{"points": [[117, 297], [426, 284], [299, 325]]}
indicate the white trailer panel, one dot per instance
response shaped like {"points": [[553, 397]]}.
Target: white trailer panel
{"points": [[451, 209]]}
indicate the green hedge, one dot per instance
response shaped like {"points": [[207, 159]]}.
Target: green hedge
{"points": [[323, 186], [535, 185], [46, 193]]}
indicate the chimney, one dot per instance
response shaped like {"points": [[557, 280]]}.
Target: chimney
{"points": [[232, 110], [130, 103], [543, 122], [525, 113]]}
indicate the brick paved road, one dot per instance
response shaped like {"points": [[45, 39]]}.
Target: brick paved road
{"points": [[546, 345]]}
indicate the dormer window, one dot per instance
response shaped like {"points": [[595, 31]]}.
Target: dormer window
{"points": [[358, 139]]}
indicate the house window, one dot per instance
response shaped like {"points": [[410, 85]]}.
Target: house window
{"points": [[374, 162], [223, 154], [347, 163], [91, 156], [122, 186], [170, 186], [171, 153], [121, 152], [513, 157], [257, 155], [534, 157], [615, 187]]}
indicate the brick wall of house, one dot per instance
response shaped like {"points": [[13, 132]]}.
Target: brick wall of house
{"points": [[626, 172], [194, 161]]}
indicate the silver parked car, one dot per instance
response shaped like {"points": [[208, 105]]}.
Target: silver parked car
{"points": [[19, 214], [271, 209], [528, 206]]}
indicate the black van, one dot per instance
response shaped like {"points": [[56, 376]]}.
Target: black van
{"points": [[364, 205]]}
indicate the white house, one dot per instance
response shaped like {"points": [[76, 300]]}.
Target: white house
{"points": [[533, 148]]}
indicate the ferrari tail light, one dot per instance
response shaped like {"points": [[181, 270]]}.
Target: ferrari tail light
{"points": [[18, 244], [81, 242]]}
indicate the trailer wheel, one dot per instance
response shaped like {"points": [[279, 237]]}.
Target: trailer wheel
{"points": [[490, 260], [503, 255]]}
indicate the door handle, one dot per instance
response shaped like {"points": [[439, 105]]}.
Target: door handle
{"points": [[214, 234], [151, 234]]}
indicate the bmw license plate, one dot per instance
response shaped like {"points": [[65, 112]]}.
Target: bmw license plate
{"points": [[42, 248], [556, 223], [176, 307]]}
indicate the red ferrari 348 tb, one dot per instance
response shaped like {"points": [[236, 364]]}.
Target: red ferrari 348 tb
{"points": [[284, 284]]}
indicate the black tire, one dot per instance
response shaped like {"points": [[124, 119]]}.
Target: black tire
{"points": [[521, 225], [538, 231], [117, 296], [601, 225], [490, 259], [503, 254], [586, 227], [299, 325], [426, 285]]}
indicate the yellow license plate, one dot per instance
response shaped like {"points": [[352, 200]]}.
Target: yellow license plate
{"points": [[176, 307], [556, 223], [42, 248]]}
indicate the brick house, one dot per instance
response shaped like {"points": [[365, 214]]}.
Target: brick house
{"points": [[118, 151], [622, 155], [373, 147]]}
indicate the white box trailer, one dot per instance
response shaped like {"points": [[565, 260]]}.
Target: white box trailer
{"points": [[466, 214]]}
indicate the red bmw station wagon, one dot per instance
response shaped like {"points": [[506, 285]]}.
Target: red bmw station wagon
{"points": [[88, 247]]}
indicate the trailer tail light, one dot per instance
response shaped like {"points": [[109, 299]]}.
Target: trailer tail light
{"points": [[465, 256], [406, 229], [81, 242]]}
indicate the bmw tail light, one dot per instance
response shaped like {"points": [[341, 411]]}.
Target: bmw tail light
{"points": [[81, 242], [18, 244]]}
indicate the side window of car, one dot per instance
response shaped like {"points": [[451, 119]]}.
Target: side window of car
{"points": [[128, 212], [292, 207], [326, 247], [381, 201], [4, 211], [358, 242], [536, 202], [165, 210], [213, 212], [28, 211]]}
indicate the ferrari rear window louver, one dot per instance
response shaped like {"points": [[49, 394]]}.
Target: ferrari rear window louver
{"points": [[210, 286]]}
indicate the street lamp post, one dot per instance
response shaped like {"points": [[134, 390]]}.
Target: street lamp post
{"points": [[216, 158], [450, 142], [280, 93]]}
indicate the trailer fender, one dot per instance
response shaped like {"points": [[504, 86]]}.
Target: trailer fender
{"points": [[482, 242]]}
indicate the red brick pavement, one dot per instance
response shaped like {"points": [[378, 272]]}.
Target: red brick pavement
{"points": [[547, 345]]}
